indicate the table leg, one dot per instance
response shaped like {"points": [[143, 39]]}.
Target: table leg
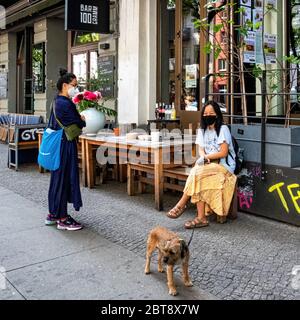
{"points": [[130, 181], [89, 164], [158, 179], [123, 173]]}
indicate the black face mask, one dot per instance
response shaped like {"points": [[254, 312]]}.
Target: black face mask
{"points": [[210, 120]]}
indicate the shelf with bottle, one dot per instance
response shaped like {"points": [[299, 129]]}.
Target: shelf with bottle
{"points": [[165, 111]]}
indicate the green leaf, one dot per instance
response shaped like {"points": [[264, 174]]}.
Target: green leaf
{"points": [[217, 28], [208, 48], [218, 50]]}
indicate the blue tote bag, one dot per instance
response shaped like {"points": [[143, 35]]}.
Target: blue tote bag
{"points": [[49, 153]]}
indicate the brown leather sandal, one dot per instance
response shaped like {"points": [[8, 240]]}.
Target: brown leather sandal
{"points": [[176, 212], [196, 223]]}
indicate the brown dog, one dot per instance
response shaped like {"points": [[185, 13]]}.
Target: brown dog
{"points": [[171, 249]]}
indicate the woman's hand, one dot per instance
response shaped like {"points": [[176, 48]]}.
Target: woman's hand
{"points": [[206, 159], [82, 117]]}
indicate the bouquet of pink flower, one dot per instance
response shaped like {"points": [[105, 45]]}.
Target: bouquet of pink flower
{"points": [[89, 99]]}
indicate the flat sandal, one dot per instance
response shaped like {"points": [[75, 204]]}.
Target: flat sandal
{"points": [[196, 223], [177, 212]]}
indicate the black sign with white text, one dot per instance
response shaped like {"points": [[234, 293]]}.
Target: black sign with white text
{"points": [[87, 15]]}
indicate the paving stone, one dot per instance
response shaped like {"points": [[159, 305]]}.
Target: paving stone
{"points": [[243, 259]]}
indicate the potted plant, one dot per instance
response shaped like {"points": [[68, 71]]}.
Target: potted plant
{"points": [[91, 105]]}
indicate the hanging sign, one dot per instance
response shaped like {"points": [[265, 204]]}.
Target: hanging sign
{"points": [[270, 41], [87, 15], [258, 18], [249, 47], [191, 76]]}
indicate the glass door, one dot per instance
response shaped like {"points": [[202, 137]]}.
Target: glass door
{"points": [[187, 56], [178, 54], [166, 52]]}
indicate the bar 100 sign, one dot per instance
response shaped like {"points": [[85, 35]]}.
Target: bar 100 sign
{"points": [[88, 14]]}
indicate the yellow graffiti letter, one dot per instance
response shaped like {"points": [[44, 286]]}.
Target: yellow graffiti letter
{"points": [[281, 196], [295, 198]]}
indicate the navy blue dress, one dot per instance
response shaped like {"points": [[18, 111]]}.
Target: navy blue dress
{"points": [[64, 182]]}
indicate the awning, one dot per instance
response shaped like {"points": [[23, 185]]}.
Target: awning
{"points": [[30, 10]]}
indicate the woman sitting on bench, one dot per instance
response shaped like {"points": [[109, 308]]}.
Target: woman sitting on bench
{"points": [[211, 183]]}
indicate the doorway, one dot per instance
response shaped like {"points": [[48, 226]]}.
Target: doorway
{"points": [[25, 93]]}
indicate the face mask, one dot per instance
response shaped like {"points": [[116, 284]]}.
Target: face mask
{"points": [[72, 92], [210, 120]]}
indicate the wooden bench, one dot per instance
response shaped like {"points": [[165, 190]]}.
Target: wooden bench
{"points": [[22, 137], [173, 175], [138, 173], [182, 173]]}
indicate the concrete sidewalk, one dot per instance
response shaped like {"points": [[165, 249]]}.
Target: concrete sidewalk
{"points": [[40, 262]]}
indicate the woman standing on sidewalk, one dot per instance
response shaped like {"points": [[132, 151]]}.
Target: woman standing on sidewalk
{"points": [[64, 183], [211, 183]]}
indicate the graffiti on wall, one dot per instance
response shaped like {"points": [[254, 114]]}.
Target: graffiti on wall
{"points": [[245, 188], [293, 192]]}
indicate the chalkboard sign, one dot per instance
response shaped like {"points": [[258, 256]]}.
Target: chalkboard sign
{"points": [[3, 85], [106, 69]]}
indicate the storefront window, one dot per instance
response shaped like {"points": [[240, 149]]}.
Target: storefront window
{"points": [[167, 61], [179, 53], [38, 67], [80, 68], [93, 65], [190, 57]]}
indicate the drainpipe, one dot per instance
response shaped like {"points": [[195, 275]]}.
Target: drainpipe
{"points": [[263, 126]]}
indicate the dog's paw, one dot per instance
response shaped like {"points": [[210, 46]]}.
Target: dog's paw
{"points": [[161, 270], [173, 292], [188, 283], [147, 271]]}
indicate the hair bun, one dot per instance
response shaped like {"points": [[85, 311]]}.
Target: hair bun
{"points": [[63, 72]]}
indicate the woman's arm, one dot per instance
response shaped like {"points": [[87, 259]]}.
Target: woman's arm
{"points": [[72, 116], [223, 153]]}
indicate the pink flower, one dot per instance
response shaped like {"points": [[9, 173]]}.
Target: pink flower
{"points": [[98, 93], [78, 98], [91, 96]]}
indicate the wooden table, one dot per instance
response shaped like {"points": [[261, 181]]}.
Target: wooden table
{"points": [[124, 150]]}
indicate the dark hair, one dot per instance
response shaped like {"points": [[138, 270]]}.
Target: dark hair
{"points": [[65, 77], [218, 112]]}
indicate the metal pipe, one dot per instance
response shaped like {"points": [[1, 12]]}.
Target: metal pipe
{"points": [[268, 142], [263, 126], [248, 94]]}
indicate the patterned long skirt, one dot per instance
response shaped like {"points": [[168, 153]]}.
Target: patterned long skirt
{"points": [[212, 184]]}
